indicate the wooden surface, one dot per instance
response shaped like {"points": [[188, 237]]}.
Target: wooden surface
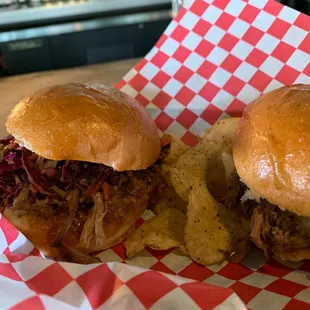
{"points": [[12, 89]]}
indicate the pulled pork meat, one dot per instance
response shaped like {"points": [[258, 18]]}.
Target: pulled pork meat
{"points": [[65, 191], [279, 233], [233, 200]]}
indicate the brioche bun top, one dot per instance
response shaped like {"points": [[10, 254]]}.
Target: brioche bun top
{"points": [[86, 122], [271, 148]]}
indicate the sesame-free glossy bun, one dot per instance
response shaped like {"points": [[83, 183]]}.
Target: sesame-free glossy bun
{"points": [[271, 148], [86, 122]]}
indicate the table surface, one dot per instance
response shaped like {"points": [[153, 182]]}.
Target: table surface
{"points": [[12, 89]]}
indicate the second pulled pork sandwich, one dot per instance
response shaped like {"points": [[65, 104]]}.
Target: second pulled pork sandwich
{"points": [[271, 151]]}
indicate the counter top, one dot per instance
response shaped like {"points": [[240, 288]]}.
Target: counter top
{"points": [[12, 89]]}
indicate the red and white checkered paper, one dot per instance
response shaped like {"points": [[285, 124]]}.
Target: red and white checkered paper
{"points": [[213, 59]]}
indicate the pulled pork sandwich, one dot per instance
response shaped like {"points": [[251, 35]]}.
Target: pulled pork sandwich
{"points": [[80, 167], [271, 151]]}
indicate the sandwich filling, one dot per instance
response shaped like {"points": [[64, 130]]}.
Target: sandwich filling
{"points": [[277, 232], [73, 195]]}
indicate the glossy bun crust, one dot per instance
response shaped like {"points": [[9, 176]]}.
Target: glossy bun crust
{"points": [[272, 148], [86, 122]]}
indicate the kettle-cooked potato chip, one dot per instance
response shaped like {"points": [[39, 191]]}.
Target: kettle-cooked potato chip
{"points": [[161, 232], [177, 148], [211, 160], [201, 176], [190, 167], [212, 232], [223, 130], [170, 199], [221, 173]]}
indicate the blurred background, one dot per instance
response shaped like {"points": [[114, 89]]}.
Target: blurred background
{"points": [[37, 35]]}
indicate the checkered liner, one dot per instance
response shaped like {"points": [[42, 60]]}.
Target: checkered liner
{"points": [[213, 59], [30, 282]]}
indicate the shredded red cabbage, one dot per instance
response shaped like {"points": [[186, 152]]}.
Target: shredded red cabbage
{"points": [[4, 166], [38, 183], [9, 156], [8, 185], [103, 173], [25, 165]]}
